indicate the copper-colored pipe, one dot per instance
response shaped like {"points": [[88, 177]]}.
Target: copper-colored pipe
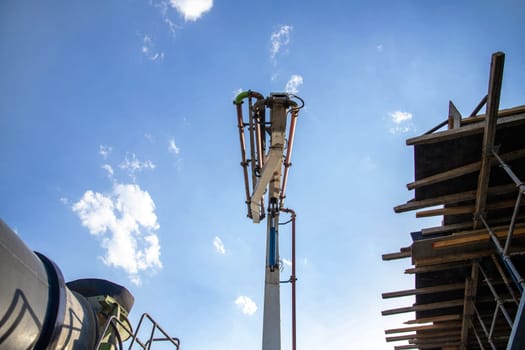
{"points": [[252, 141], [240, 122], [244, 164], [293, 279], [289, 148]]}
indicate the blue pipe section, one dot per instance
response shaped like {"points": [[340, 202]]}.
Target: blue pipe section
{"points": [[272, 256]]}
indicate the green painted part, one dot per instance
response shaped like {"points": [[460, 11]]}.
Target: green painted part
{"points": [[241, 96]]}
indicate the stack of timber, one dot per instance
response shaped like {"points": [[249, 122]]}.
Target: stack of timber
{"points": [[468, 284]]}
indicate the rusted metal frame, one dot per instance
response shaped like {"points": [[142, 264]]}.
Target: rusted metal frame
{"points": [[480, 320], [479, 106], [489, 134], [499, 301], [518, 279], [505, 279], [471, 284]]}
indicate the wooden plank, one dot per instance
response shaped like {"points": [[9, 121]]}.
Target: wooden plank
{"points": [[454, 117], [451, 198], [471, 289], [464, 225], [445, 228], [434, 319], [404, 253], [455, 240], [423, 307], [466, 130], [425, 290], [455, 257], [443, 346], [468, 209], [463, 170], [489, 134], [479, 106], [502, 113], [438, 326], [431, 268]]}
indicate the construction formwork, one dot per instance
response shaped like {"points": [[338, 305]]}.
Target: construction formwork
{"points": [[469, 271]]}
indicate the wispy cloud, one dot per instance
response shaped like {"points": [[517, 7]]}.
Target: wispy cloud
{"points": [[109, 169], [104, 151], [246, 305], [219, 246], [292, 86], [172, 147], [402, 122], [192, 10], [149, 137], [287, 262], [149, 50], [379, 48], [279, 40], [163, 6], [132, 165], [126, 224]]}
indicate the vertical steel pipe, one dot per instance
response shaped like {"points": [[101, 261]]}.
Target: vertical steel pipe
{"points": [[293, 279]]}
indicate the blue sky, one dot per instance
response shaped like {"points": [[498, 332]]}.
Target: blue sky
{"points": [[120, 154]]}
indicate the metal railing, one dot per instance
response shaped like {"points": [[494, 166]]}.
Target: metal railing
{"points": [[117, 325]]}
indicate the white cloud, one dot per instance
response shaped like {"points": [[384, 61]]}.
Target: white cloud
{"points": [[399, 117], [379, 48], [108, 169], [219, 246], [192, 10], [104, 151], [402, 122], [64, 200], [292, 86], [149, 50], [246, 305], [172, 147], [132, 164], [279, 39], [163, 6], [287, 262], [125, 222]]}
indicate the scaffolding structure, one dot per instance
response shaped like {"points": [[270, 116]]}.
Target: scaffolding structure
{"points": [[469, 271]]}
